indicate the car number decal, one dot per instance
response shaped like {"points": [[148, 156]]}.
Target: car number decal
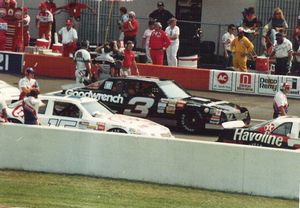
{"points": [[141, 106], [62, 122], [269, 128]]}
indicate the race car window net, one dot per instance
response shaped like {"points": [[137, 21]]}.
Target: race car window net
{"points": [[171, 90], [284, 129], [260, 125], [42, 109]]}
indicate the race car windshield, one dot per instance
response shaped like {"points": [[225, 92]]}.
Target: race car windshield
{"points": [[172, 90], [259, 125], [93, 107]]}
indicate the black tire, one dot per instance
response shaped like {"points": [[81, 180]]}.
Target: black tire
{"points": [[191, 121], [117, 130], [12, 120]]}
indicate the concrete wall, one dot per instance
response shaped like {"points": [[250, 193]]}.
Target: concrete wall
{"points": [[215, 166]]}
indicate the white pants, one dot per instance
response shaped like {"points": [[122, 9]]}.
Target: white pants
{"points": [[125, 72], [80, 76], [172, 54], [148, 53]]}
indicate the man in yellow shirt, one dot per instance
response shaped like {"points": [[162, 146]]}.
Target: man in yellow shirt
{"points": [[241, 46]]}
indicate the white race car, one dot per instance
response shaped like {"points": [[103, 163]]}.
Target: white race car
{"points": [[86, 113], [9, 92]]}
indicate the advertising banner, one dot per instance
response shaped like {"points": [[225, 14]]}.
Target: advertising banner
{"points": [[267, 84], [222, 81], [245, 83], [295, 86], [11, 63]]}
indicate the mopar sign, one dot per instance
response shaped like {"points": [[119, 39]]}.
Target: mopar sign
{"points": [[245, 82], [98, 96]]}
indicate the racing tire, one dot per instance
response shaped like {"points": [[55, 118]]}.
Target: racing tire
{"points": [[15, 121], [191, 121], [117, 130]]}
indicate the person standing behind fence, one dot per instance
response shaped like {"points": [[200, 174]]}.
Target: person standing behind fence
{"points": [[123, 18], [158, 43], [173, 33], [283, 52], [227, 39], [241, 47], [145, 40], [130, 28], [161, 15]]}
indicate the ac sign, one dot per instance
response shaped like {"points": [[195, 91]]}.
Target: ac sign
{"points": [[223, 78]]}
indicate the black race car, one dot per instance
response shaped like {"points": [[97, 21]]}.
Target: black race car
{"points": [[162, 101]]}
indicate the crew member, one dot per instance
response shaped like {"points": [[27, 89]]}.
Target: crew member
{"points": [[44, 22], [26, 21], [161, 15], [241, 47], [27, 83], [83, 59], [3, 112], [158, 43], [283, 52], [9, 4], [68, 37], [31, 107], [51, 6], [173, 33], [280, 103], [106, 62], [130, 28], [129, 61]]}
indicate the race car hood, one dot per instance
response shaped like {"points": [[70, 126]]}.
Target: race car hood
{"points": [[9, 92], [136, 125], [225, 106]]}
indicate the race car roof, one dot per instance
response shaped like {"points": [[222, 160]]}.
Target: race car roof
{"points": [[142, 78], [66, 97], [287, 119]]}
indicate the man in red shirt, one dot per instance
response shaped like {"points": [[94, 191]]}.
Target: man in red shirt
{"points": [[44, 22], [130, 28], [158, 43], [9, 4], [74, 10], [129, 61]]}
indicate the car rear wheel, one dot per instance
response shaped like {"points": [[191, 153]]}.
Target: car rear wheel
{"points": [[118, 130], [191, 121]]}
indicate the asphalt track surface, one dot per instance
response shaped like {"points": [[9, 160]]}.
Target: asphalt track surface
{"points": [[260, 107]]}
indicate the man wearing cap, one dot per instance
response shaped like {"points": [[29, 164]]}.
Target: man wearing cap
{"points": [[68, 37], [280, 103], [241, 47], [129, 61], [161, 15], [130, 28], [83, 61], [44, 21], [283, 52], [158, 43], [173, 33], [31, 107], [27, 83]]}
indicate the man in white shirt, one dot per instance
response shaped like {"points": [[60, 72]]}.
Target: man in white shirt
{"points": [[283, 51], [145, 40], [173, 33], [82, 59], [68, 36], [31, 107], [3, 106], [227, 39], [280, 103], [27, 83]]}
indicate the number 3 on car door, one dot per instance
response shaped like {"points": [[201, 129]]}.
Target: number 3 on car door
{"points": [[141, 106]]}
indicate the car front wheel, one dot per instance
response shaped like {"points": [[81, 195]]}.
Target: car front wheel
{"points": [[118, 130], [191, 121]]}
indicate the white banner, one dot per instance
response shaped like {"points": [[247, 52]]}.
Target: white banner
{"points": [[245, 83], [222, 81]]}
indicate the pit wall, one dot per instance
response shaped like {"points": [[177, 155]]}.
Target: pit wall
{"points": [[189, 78], [215, 166]]}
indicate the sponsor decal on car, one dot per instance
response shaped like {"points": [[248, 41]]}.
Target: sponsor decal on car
{"points": [[254, 137], [96, 95]]}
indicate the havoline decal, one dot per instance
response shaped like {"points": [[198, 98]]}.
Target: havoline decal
{"points": [[255, 137], [98, 96]]}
